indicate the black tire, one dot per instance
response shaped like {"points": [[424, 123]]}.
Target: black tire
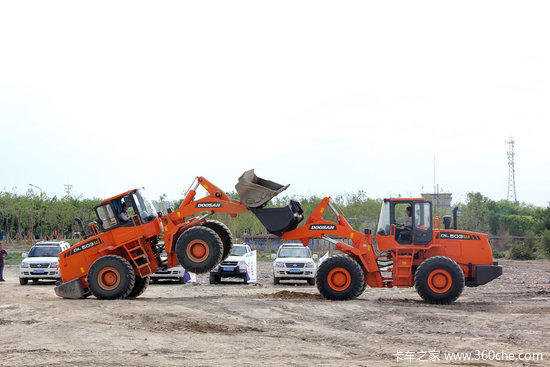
{"points": [[245, 281], [139, 287], [154, 280], [199, 249], [182, 280], [23, 281], [439, 280], [121, 277], [35, 281], [311, 281], [363, 289], [225, 235], [276, 280], [340, 278], [213, 278]]}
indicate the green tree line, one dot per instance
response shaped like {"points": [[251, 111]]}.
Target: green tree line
{"points": [[31, 216]]}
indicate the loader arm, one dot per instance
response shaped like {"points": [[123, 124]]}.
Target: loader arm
{"points": [[217, 201], [361, 250]]}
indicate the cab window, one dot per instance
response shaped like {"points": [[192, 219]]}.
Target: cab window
{"points": [[384, 220], [107, 217]]}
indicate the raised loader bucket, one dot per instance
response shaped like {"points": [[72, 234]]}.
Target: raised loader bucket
{"points": [[255, 192], [280, 220]]}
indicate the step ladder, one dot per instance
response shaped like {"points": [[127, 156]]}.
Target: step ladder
{"points": [[402, 267], [140, 260]]}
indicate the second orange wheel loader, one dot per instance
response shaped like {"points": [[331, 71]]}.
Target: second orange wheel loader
{"points": [[437, 261]]}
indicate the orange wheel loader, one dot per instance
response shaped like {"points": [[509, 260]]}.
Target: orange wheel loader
{"points": [[413, 251], [116, 260]]}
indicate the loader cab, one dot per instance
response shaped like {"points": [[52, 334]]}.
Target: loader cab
{"points": [[140, 211], [390, 229]]}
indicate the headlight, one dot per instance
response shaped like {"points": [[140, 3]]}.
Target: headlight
{"points": [[242, 265], [279, 264], [24, 265], [54, 265], [310, 265]]}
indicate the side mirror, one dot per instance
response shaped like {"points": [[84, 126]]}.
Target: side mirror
{"points": [[273, 256], [24, 254], [315, 256]]}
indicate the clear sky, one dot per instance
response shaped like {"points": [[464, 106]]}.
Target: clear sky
{"points": [[330, 97]]}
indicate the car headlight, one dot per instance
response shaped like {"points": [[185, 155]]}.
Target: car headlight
{"points": [[310, 265], [54, 265], [24, 265], [242, 265], [279, 264]]}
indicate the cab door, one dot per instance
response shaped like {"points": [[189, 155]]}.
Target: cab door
{"points": [[422, 223]]}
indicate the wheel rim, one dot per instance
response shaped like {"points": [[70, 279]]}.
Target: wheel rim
{"points": [[108, 278], [440, 281], [339, 279], [198, 250]]}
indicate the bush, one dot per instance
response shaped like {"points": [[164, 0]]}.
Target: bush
{"points": [[522, 251], [545, 243], [497, 254]]}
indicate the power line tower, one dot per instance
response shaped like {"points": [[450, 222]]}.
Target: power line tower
{"points": [[511, 172], [68, 189]]}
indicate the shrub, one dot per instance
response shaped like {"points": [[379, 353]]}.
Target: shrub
{"points": [[545, 243], [497, 254], [522, 251]]}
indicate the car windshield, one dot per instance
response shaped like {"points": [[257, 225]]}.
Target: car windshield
{"points": [[294, 252], [46, 251], [238, 251]]}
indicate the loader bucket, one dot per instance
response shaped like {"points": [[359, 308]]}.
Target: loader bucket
{"points": [[72, 289], [277, 221], [255, 192]]}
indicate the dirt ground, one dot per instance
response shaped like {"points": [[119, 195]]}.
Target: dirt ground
{"points": [[263, 324]]}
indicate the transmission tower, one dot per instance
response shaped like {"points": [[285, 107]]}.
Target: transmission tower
{"points": [[511, 172], [68, 189]]}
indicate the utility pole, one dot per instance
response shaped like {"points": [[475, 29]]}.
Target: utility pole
{"points": [[511, 172], [39, 209]]}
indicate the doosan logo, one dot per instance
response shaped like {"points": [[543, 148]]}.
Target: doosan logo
{"points": [[208, 205], [322, 227]]}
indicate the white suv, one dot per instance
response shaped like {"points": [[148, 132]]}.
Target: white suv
{"points": [[294, 261], [41, 262], [176, 273], [232, 267]]}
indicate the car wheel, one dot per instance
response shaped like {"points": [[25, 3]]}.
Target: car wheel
{"points": [[213, 278], [275, 280], [311, 281], [245, 281], [182, 280], [154, 280], [23, 281], [35, 281]]}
